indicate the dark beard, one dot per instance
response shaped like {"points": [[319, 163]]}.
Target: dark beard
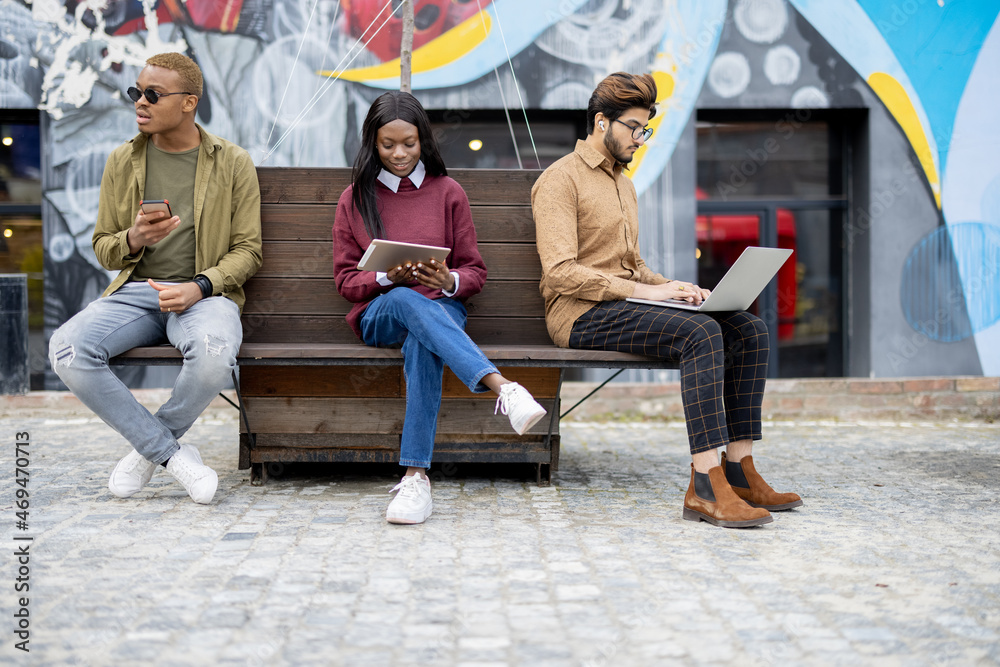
{"points": [[615, 149]]}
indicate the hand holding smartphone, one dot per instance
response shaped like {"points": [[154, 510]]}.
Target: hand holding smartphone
{"points": [[150, 231], [155, 206]]}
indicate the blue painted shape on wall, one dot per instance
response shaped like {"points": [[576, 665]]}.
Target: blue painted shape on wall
{"points": [[937, 46], [943, 299]]}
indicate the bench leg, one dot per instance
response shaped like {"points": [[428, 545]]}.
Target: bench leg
{"points": [[543, 472], [247, 440], [258, 474]]}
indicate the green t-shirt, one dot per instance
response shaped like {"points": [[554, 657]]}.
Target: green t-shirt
{"points": [[171, 176]]}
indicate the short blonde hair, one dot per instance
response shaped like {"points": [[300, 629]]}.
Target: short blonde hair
{"points": [[188, 69]]}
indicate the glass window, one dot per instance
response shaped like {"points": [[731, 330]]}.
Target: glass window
{"points": [[482, 139], [21, 221], [737, 160], [20, 163], [755, 171]]}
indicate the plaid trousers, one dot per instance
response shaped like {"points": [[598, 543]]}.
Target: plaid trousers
{"points": [[722, 357]]}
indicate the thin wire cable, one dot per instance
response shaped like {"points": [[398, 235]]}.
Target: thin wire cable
{"points": [[517, 88], [329, 36], [331, 80], [503, 98], [295, 62]]}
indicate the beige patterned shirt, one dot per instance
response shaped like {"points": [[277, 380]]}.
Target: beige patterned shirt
{"points": [[587, 234]]}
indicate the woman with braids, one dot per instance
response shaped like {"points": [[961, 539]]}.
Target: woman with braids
{"points": [[400, 191]]}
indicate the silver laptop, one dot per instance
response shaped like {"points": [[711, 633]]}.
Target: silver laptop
{"points": [[743, 282]]}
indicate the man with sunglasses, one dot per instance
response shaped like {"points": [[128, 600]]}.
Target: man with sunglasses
{"points": [[179, 219], [587, 227]]}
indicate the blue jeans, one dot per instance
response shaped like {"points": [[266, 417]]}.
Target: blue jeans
{"points": [[432, 334], [208, 334]]}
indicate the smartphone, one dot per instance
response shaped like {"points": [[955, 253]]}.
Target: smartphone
{"points": [[153, 205]]}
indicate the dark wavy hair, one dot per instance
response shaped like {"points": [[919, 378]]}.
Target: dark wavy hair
{"points": [[618, 93], [390, 106]]}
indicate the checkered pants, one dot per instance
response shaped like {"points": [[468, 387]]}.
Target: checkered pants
{"points": [[722, 356]]}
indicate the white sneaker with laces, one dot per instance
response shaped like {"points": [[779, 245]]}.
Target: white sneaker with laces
{"points": [[523, 410], [413, 502], [131, 474], [199, 480]]}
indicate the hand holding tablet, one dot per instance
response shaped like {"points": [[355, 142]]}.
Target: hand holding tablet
{"points": [[383, 255]]}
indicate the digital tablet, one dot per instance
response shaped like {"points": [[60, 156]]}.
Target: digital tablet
{"points": [[384, 255]]}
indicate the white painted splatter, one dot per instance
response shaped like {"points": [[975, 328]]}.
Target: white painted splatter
{"points": [[69, 82]]}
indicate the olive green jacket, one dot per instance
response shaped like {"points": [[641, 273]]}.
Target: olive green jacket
{"points": [[226, 214]]}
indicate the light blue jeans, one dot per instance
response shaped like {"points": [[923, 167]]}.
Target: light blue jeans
{"points": [[432, 334], [208, 335]]}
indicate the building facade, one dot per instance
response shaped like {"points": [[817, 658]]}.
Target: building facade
{"points": [[858, 133]]}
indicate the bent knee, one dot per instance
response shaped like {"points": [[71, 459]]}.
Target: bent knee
{"points": [[62, 352], [751, 327], [217, 349], [65, 349], [213, 362], [706, 328], [407, 301]]}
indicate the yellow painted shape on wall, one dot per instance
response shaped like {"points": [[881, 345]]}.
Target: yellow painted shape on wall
{"points": [[438, 52], [664, 89], [894, 96]]}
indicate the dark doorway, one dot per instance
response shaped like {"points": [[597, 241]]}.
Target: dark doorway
{"points": [[777, 178]]}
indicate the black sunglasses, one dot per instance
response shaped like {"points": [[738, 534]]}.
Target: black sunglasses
{"points": [[151, 95]]}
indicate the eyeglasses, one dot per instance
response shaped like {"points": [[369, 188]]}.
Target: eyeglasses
{"points": [[151, 95], [638, 131]]}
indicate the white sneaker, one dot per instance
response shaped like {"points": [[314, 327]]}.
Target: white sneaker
{"points": [[523, 410], [199, 480], [413, 502], [131, 474]]}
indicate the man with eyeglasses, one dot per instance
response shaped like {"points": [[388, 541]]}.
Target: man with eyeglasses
{"points": [[587, 228], [179, 219]]}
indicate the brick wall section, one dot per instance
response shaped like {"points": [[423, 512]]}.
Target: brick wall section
{"points": [[840, 399], [64, 404]]}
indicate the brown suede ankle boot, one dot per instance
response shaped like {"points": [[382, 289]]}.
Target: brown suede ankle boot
{"points": [[709, 498], [751, 487]]}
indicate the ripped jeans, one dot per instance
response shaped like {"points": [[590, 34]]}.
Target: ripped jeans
{"points": [[208, 335]]}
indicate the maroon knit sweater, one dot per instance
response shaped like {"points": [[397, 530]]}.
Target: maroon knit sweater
{"points": [[435, 214]]}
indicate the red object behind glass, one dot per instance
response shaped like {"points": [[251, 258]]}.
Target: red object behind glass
{"points": [[723, 237]]}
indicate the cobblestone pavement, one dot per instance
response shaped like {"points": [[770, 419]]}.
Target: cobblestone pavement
{"points": [[894, 559]]}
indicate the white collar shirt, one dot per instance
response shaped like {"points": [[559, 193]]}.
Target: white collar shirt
{"points": [[392, 181]]}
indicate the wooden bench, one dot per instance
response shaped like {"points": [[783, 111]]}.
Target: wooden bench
{"points": [[309, 390]]}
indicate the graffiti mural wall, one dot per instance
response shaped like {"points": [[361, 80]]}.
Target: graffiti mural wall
{"points": [[290, 81]]}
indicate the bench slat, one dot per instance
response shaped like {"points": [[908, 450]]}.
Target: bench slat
{"points": [[334, 448], [359, 381], [305, 296], [281, 185], [314, 259], [332, 354], [314, 222], [375, 415], [295, 329], [343, 381], [252, 351]]}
